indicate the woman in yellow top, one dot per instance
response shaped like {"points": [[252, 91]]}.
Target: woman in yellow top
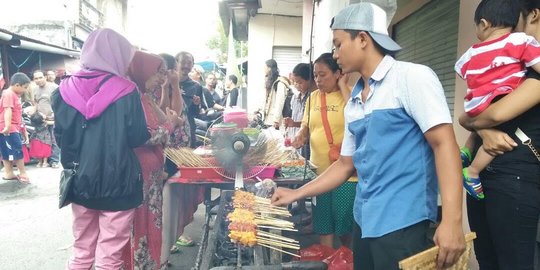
{"points": [[332, 211]]}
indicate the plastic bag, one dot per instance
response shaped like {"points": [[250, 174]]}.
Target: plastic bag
{"points": [[265, 188], [342, 259], [315, 252]]}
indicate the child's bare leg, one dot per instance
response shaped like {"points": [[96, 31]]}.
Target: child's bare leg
{"points": [[480, 162], [8, 169], [471, 140]]}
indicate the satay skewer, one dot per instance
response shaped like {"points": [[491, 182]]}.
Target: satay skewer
{"points": [[276, 236], [277, 244], [280, 250]]}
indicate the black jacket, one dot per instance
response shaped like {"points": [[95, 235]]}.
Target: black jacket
{"points": [[109, 174]]}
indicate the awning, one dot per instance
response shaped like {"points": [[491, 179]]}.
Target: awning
{"points": [[18, 41]]}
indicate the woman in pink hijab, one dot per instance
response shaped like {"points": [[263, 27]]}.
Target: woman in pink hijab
{"points": [[99, 120], [149, 73]]}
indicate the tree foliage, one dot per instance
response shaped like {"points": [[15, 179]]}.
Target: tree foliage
{"points": [[219, 44]]}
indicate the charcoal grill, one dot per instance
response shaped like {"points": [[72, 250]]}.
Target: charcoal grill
{"points": [[219, 253]]}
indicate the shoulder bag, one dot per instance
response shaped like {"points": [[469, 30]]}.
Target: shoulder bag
{"points": [[335, 149], [68, 175]]}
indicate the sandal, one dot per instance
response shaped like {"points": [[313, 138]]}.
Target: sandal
{"points": [[184, 241], [175, 249], [10, 178], [23, 179]]}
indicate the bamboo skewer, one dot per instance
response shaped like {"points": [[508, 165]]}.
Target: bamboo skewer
{"points": [[277, 244], [276, 236], [276, 228], [280, 250]]}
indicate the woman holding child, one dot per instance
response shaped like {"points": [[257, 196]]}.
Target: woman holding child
{"points": [[506, 220]]}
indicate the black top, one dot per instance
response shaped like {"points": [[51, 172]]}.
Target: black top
{"points": [[521, 160], [109, 174], [190, 89], [208, 101], [233, 96]]}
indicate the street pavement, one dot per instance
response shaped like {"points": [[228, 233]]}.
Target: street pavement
{"points": [[36, 235]]}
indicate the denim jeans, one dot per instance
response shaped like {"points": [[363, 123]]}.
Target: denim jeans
{"points": [[505, 221]]}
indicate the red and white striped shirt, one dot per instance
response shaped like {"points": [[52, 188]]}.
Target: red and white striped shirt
{"points": [[495, 68]]}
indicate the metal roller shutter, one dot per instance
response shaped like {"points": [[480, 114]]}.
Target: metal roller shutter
{"points": [[287, 58], [429, 37]]}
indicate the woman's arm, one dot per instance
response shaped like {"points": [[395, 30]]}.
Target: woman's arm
{"points": [[526, 96]]}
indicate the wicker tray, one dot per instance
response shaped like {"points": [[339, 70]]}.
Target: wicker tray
{"points": [[428, 259]]}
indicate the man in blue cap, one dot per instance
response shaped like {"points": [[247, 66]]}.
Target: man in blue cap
{"points": [[399, 137]]}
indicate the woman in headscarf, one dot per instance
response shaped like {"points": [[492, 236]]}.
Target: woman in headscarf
{"points": [[99, 121], [149, 73], [180, 202]]}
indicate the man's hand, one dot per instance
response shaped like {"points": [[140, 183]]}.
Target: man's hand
{"points": [[196, 100], [285, 196], [451, 242], [496, 142], [5, 131]]}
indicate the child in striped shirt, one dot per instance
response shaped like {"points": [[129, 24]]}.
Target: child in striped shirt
{"points": [[493, 67]]}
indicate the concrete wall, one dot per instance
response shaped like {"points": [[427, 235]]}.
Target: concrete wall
{"points": [[324, 12], [265, 32], [114, 14]]}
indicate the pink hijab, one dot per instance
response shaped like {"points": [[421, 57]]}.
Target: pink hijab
{"points": [[105, 55]]}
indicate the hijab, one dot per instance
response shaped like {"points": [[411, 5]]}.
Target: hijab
{"points": [[105, 58], [143, 67]]}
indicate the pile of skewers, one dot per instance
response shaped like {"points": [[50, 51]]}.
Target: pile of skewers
{"points": [[252, 213], [184, 157]]}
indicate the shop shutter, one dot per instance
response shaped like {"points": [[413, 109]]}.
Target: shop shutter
{"points": [[429, 36], [287, 58]]}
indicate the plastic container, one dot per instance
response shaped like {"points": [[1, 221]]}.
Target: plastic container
{"points": [[236, 115], [199, 173], [267, 172]]}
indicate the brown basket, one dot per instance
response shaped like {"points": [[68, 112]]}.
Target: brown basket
{"points": [[428, 259]]}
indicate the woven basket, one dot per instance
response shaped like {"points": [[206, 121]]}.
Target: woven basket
{"points": [[428, 259]]}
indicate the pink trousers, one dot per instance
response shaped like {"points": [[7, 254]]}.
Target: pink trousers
{"points": [[100, 236]]}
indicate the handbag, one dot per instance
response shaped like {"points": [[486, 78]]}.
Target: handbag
{"points": [[335, 149], [68, 175]]}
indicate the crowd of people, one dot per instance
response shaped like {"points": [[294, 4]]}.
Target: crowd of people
{"points": [[384, 149]]}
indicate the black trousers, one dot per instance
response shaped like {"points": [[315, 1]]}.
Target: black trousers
{"points": [[385, 252], [505, 221]]}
